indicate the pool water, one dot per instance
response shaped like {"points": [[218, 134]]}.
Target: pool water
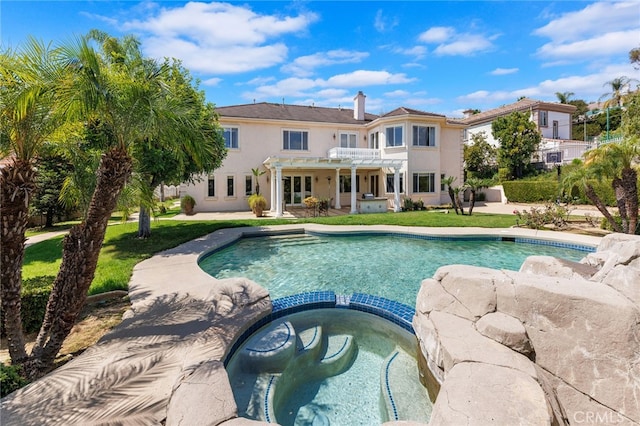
{"points": [[388, 266], [279, 375]]}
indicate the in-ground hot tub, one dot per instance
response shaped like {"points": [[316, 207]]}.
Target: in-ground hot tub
{"points": [[329, 366]]}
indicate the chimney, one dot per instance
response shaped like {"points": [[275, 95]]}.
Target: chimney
{"points": [[358, 106]]}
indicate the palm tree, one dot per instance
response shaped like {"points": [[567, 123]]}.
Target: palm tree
{"points": [[581, 177], [130, 99], [449, 182], [27, 118], [474, 185], [617, 162], [257, 173], [563, 97], [618, 88]]}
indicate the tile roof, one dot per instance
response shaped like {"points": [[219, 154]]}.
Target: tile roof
{"points": [[272, 111], [522, 105], [407, 111]]}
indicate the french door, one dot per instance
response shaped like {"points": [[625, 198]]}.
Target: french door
{"points": [[296, 188]]}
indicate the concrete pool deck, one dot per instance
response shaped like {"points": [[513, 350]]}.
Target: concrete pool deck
{"points": [[178, 323]]}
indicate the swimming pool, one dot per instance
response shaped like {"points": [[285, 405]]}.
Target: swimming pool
{"points": [[329, 366], [386, 265]]}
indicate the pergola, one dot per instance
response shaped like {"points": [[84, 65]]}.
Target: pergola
{"points": [[276, 165]]}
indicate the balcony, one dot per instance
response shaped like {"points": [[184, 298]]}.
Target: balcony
{"points": [[354, 153]]}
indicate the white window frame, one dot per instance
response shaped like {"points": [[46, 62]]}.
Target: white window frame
{"points": [[348, 140], [394, 129], [431, 183], [286, 140], [389, 180], [543, 118], [430, 140], [374, 140], [230, 135]]}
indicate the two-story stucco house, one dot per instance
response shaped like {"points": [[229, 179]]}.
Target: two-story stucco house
{"points": [[553, 121], [332, 153]]}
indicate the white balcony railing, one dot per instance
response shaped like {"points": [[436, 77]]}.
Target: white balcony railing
{"points": [[354, 153]]}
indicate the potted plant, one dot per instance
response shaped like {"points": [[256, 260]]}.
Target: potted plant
{"points": [[187, 203], [257, 203]]}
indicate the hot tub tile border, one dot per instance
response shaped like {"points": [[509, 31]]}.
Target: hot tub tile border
{"points": [[390, 310]]}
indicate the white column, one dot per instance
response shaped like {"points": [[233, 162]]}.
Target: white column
{"points": [[274, 201], [354, 210], [278, 191], [396, 190], [337, 203]]}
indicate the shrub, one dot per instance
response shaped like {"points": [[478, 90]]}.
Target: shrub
{"points": [[538, 217], [530, 191], [187, 203], [257, 203], [10, 379], [407, 204]]}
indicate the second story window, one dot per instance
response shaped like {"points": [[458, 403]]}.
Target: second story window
{"points": [[424, 136], [373, 140], [394, 136], [348, 140], [231, 137], [295, 140], [543, 118]]}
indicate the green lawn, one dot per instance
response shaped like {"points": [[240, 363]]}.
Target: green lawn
{"points": [[122, 250]]}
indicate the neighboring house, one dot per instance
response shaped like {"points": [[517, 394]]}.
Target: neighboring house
{"points": [[333, 153], [553, 121]]}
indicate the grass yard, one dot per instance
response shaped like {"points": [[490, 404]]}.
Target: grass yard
{"points": [[122, 250]]}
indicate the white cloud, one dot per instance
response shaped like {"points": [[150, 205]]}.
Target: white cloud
{"points": [[453, 43], [504, 71], [607, 44], [588, 87], [397, 94], [595, 19], [418, 52], [304, 66], [437, 34], [331, 87], [218, 37], [383, 23], [363, 78], [212, 81], [465, 44]]}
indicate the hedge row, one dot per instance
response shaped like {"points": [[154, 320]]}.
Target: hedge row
{"points": [[547, 191]]}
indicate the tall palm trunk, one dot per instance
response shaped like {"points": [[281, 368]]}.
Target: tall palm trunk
{"points": [[453, 199], [591, 195], [472, 200], [17, 183], [630, 185], [144, 223], [621, 195], [81, 248]]}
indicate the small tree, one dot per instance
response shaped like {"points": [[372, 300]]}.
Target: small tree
{"points": [[480, 157], [474, 185], [519, 139], [257, 173]]}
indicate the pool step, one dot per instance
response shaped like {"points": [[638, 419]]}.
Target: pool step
{"points": [[301, 241], [271, 350], [339, 355], [402, 395]]}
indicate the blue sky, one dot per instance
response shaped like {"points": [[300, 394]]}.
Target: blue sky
{"points": [[435, 56]]}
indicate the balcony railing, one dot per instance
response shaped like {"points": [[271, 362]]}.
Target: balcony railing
{"points": [[354, 153]]}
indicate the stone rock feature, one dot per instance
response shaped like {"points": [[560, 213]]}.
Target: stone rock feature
{"points": [[555, 343]]}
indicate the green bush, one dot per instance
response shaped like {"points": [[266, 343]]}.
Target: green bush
{"points": [[35, 295], [530, 191], [504, 174], [10, 379]]}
